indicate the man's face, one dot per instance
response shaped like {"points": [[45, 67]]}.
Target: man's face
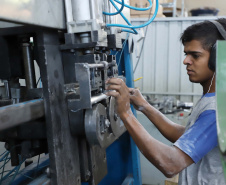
{"points": [[197, 62]]}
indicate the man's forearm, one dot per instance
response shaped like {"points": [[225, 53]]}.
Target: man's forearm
{"points": [[165, 158], [168, 129]]}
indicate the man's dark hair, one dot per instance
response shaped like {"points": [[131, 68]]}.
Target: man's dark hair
{"points": [[205, 32]]}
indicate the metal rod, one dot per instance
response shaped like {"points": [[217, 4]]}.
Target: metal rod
{"points": [[96, 99], [7, 89], [29, 66], [96, 65], [16, 114]]}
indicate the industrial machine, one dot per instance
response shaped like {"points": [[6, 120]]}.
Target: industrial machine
{"points": [[221, 101], [63, 111]]}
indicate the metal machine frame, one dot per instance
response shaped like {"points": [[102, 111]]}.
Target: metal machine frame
{"points": [[73, 54]]}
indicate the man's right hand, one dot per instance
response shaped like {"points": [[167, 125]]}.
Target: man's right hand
{"points": [[137, 99]]}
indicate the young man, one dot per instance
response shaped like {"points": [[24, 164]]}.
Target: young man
{"points": [[195, 151]]}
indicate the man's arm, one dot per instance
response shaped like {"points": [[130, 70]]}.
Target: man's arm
{"points": [[168, 129], [170, 160]]}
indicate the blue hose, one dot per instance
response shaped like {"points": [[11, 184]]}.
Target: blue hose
{"points": [[140, 26], [125, 30], [119, 11]]}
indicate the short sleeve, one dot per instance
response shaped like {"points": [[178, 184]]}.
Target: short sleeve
{"points": [[201, 137]]}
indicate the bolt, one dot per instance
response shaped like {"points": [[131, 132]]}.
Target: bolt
{"points": [[119, 30], [115, 117], [88, 174], [107, 123], [94, 166]]}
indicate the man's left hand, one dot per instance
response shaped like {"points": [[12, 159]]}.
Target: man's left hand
{"points": [[118, 89]]}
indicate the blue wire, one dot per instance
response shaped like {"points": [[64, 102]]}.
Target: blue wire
{"points": [[119, 11], [140, 26], [15, 168], [2, 159], [3, 153], [16, 172], [135, 32], [135, 8]]}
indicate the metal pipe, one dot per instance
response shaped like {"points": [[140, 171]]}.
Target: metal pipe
{"points": [[100, 65], [96, 99], [69, 15], [16, 114], [81, 10], [29, 66], [96, 65]]}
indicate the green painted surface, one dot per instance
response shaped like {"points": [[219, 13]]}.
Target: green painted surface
{"points": [[221, 98]]}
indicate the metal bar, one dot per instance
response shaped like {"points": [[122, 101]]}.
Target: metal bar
{"points": [[63, 147], [172, 93], [95, 65], [96, 99], [28, 66], [16, 114]]}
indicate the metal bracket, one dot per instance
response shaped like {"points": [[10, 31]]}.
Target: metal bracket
{"points": [[82, 73]]}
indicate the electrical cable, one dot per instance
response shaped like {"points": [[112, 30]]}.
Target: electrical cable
{"points": [[11, 171], [15, 174], [118, 11], [140, 51], [3, 167]]}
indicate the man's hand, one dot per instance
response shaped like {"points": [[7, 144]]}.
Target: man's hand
{"points": [[137, 99], [121, 94]]}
